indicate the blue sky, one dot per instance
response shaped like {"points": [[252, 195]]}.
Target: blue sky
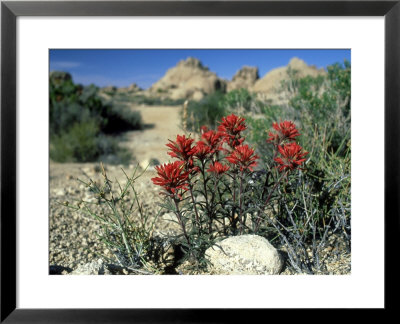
{"points": [[144, 67]]}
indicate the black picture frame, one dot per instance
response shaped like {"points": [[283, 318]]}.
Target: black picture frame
{"points": [[10, 10]]}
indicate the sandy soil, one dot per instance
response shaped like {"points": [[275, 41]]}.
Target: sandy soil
{"points": [[161, 123]]}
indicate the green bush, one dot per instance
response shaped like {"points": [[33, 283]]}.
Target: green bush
{"points": [[239, 101], [206, 112], [78, 143], [80, 121], [324, 102]]}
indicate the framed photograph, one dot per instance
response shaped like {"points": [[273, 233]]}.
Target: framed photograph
{"points": [[308, 179]]}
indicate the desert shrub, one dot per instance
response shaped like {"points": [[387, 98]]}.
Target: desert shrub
{"points": [[79, 121], [126, 228], [314, 207], [78, 143], [240, 101], [324, 102], [208, 111], [120, 119]]}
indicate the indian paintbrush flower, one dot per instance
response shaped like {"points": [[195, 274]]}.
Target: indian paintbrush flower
{"points": [[244, 157], [218, 168], [202, 151], [286, 130], [232, 125], [231, 128], [181, 148], [291, 156], [172, 177], [213, 139]]}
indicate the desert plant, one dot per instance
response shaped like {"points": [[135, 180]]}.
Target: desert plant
{"points": [[206, 111], [126, 228], [239, 101], [210, 187]]}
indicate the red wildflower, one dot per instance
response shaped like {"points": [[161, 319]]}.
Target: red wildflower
{"points": [[243, 156], [202, 150], [218, 168], [213, 139], [172, 177], [231, 127], [286, 131], [182, 148], [292, 156]]}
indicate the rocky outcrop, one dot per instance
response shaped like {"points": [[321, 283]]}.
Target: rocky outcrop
{"points": [[245, 254], [189, 79], [109, 89], [131, 89], [272, 81], [244, 78]]}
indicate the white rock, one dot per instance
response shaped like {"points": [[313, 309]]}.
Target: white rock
{"points": [[96, 267], [245, 254]]}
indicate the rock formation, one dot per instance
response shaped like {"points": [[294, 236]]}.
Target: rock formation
{"points": [[244, 78], [271, 82], [189, 79]]}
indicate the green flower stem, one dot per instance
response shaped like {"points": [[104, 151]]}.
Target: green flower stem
{"points": [[269, 197], [240, 204], [194, 206], [202, 170], [234, 221], [179, 216]]}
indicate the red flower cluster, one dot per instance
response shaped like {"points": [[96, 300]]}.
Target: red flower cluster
{"points": [[181, 148], [213, 139], [231, 127], [202, 150], [218, 168], [292, 156], [286, 130], [243, 156], [172, 177]]}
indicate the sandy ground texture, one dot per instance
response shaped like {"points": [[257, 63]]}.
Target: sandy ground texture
{"points": [[161, 123]]}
